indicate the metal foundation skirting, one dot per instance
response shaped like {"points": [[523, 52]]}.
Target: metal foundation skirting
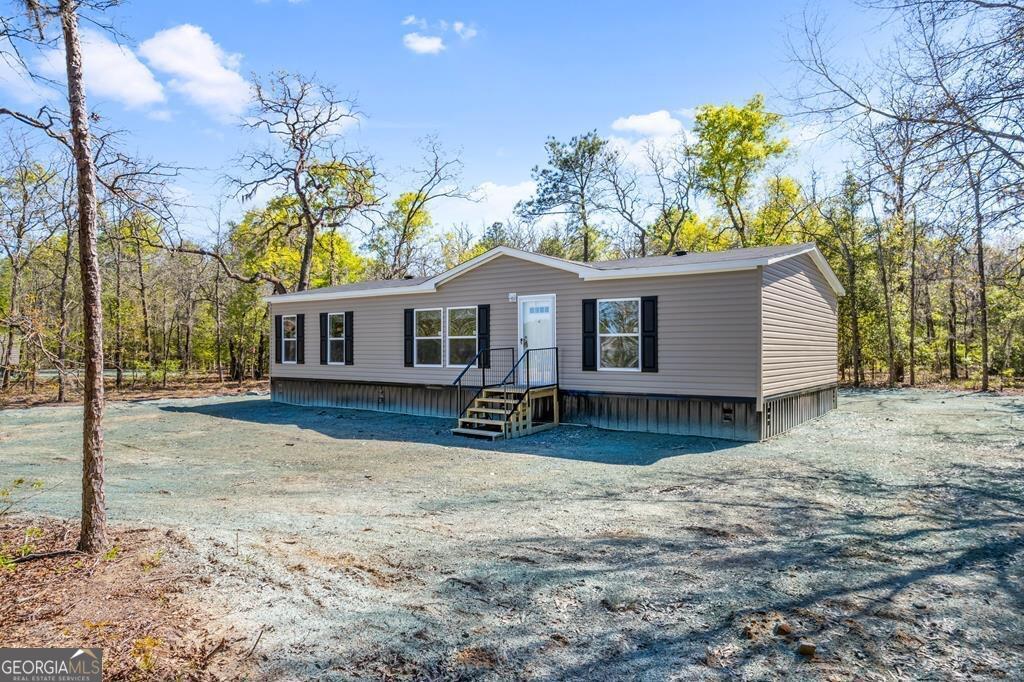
{"points": [[733, 419], [729, 418], [425, 401], [782, 412]]}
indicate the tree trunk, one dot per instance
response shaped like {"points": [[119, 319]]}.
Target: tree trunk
{"points": [[951, 328], [5, 362], [858, 370], [979, 245], [144, 302], [890, 333], [118, 324], [307, 258], [93, 536], [913, 296], [218, 344], [62, 334]]}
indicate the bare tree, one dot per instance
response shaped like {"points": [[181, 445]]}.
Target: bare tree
{"points": [[77, 138], [655, 200], [93, 536], [396, 241], [304, 119], [962, 58]]}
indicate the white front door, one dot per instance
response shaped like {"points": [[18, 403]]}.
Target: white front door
{"points": [[537, 331]]}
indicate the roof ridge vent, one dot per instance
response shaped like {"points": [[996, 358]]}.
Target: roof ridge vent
{"points": [[680, 252]]}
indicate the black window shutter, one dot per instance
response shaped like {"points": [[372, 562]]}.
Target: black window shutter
{"points": [[277, 339], [483, 333], [323, 338], [649, 333], [348, 337], [300, 322], [590, 334], [409, 323]]}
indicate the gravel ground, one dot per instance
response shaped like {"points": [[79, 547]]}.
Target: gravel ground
{"points": [[889, 534]]}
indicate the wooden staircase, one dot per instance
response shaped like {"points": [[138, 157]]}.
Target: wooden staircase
{"points": [[509, 412]]}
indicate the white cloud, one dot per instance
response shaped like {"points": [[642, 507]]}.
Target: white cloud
{"points": [[413, 20], [493, 202], [688, 113], [465, 32], [655, 124], [421, 44], [161, 115], [111, 71], [200, 68], [427, 44]]}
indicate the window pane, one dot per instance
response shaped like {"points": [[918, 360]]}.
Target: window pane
{"points": [[336, 351], [461, 351], [462, 322], [428, 323], [619, 317], [336, 326], [288, 328], [428, 352], [290, 350], [620, 352]]}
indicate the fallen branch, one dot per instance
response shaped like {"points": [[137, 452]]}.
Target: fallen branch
{"points": [[258, 638], [45, 555], [209, 654]]}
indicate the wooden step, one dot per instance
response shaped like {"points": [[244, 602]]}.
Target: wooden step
{"points": [[488, 410], [496, 399], [477, 433], [481, 420], [505, 389]]}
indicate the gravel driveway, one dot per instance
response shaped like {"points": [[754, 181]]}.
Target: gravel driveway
{"points": [[889, 534]]}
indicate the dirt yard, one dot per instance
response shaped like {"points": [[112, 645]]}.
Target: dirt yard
{"points": [[889, 535]]}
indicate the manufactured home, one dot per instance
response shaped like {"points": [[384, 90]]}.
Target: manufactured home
{"points": [[737, 344]]}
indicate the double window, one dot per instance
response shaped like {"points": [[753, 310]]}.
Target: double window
{"points": [[289, 339], [445, 336], [618, 334], [336, 338]]}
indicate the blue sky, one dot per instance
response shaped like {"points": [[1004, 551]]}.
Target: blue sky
{"points": [[491, 80]]}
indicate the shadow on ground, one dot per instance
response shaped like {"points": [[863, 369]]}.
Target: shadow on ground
{"points": [[583, 444], [362, 545], [898, 577]]}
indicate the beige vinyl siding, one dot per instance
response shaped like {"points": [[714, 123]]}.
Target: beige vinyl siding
{"points": [[707, 334], [799, 325]]}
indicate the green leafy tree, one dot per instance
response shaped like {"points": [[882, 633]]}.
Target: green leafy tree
{"points": [[263, 244], [396, 243], [671, 232], [734, 145]]}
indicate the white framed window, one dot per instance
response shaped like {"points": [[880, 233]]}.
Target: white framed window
{"points": [[289, 339], [336, 338], [618, 334], [428, 328], [461, 334]]}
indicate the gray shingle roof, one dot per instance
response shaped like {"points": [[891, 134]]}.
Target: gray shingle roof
{"points": [[368, 285], [695, 257]]}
